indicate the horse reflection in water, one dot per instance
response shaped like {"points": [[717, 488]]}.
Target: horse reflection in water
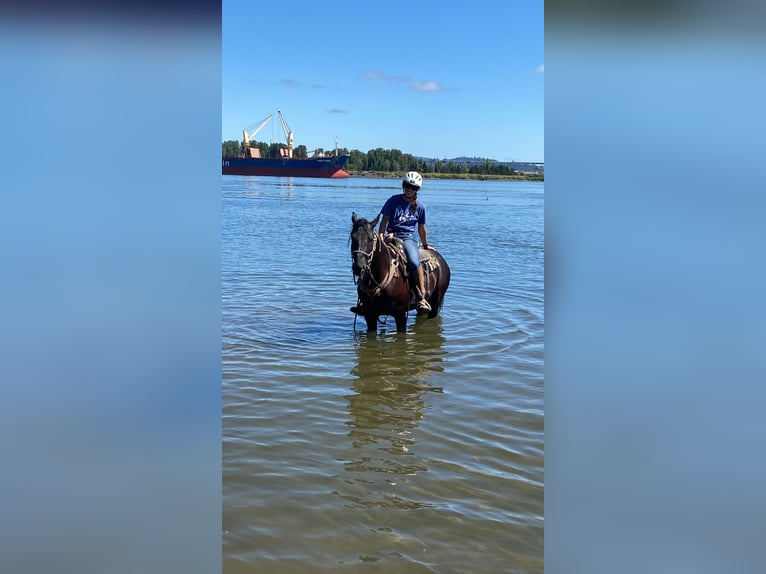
{"points": [[391, 396]]}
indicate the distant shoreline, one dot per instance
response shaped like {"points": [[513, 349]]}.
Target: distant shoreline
{"points": [[476, 176]]}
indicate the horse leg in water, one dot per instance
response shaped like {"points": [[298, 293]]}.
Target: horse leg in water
{"points": [[370, 318], [400, 316]]}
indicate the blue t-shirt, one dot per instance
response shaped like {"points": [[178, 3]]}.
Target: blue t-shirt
{"points": [[402, 221]]}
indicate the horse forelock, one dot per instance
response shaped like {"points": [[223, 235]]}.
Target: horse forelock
{"points": [[362, 225]]}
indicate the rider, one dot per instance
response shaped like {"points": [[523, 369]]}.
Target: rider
{"points": [[402, 216]]}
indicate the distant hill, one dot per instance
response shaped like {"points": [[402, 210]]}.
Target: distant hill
{"points": [[520, 166]]}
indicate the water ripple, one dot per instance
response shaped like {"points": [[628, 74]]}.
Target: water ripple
{"points": [[346, 450]]}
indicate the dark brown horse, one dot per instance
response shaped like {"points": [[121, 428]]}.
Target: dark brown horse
{"points": [[380, 272]]}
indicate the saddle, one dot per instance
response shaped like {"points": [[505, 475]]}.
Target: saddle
{"points": [[428, 263], [395, 247], [427, 260]]}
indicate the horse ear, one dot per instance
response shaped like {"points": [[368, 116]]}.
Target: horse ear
{"points": [[353, 217], [375, 221]]}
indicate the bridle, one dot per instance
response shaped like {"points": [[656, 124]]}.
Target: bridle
{"points": [[365, 269], [366, 280]]}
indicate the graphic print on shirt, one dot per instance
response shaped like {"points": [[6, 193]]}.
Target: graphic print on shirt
{"points": [[403, 214]]}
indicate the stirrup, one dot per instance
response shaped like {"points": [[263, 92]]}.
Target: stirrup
{"points": [[423, 306]]}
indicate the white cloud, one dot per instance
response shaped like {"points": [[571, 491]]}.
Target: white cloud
{"points": [[430, 86], [540, 69]]}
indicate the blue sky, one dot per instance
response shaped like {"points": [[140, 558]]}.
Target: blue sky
{"points": [[428, 78]]}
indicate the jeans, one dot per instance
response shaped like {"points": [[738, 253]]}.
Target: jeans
{"points": [[412, 251]]}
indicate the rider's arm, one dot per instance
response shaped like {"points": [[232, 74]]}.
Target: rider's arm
{"points": [[383, 225], [423, 235]]}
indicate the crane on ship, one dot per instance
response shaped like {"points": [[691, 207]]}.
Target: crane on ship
{"points": [[248, 137], [288, 134]]}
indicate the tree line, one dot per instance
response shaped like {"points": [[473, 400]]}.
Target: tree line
{"points": [[378, 159]]}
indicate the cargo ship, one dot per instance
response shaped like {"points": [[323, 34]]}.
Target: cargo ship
{"points": [[331, 166], [251, 162]]}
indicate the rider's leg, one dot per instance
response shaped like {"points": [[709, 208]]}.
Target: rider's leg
{"points": [[413, 265]]}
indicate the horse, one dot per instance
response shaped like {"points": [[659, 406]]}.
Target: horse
{"points": [[380, 273]]}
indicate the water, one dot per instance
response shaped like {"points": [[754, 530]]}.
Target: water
{"points": [[348, 451]]}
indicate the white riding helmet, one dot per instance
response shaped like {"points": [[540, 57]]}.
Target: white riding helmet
{"points": [[413, 178]]}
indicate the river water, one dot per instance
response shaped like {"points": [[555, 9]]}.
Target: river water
{"points": [[349, 451]]}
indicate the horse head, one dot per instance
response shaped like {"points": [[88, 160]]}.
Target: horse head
{"points": [[363, 243]]}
